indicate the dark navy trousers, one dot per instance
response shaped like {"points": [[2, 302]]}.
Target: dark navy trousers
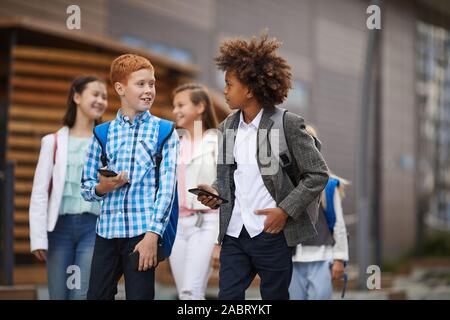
{"points": [[110, 261], [267, 255]]}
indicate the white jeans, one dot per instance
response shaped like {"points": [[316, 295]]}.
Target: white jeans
{"points": [[191, 255]]}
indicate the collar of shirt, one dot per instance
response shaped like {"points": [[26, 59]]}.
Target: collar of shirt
{"points": [[255, 122], [140, 117]]}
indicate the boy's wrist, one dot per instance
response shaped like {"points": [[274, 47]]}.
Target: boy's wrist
{"points": [[150, 234]]}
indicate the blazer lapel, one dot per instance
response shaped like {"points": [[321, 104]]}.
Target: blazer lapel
{"points": [[230, 138], [264, 127], [262, 146]]}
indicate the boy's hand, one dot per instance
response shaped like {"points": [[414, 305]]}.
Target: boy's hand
{"points": [[108, 184], [275, 220], [147, 248], [208, 200], [337, 270], [40, 254]]}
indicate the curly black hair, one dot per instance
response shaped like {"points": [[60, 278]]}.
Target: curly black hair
{"points": [[257, 66]]}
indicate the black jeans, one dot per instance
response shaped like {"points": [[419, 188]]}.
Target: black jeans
{"points": [[242, 258], [109, 262]]}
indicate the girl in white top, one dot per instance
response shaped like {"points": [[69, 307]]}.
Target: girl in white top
{"points": [[197, 224], [62, 224]]}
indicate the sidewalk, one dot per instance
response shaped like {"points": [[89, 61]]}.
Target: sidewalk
{"points": [[423, 280]]}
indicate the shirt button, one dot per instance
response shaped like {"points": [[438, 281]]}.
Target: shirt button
{"points": [[119, 212]]}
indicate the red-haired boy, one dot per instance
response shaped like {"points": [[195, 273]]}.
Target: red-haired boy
{"points": [[135, 207]]}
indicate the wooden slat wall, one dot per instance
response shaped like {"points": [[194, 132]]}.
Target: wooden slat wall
{"points": [[40, 82]]}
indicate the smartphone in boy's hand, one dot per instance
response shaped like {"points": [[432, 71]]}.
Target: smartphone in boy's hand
{"points": [[134, 260], [134, 256], [210, 197], [107, 173], [109, 183], [202, 192]]}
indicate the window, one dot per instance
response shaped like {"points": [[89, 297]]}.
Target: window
{"points": [[433, 96], [178, 54]]}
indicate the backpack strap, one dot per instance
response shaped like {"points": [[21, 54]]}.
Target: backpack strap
{"points": [[101, 134], [287, 162], [166, 128], [330, 213], [285, 158]]}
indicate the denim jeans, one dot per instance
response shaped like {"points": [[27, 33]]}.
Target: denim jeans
{"points": [[311, 281], [69, 257]]}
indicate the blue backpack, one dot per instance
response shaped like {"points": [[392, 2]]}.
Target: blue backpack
{"points": [[165, 131], [330, 214]]}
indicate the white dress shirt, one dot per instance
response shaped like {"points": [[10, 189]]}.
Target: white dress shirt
{"points": [[251, 193]]}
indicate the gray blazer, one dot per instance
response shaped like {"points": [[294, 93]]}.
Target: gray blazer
{"points": [[294, 200]]}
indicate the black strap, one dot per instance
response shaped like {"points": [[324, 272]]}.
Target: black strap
{"points": [[291, 168], [159, 158]]}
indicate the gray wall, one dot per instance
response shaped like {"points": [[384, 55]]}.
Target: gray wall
{"points": [[399, 128]]}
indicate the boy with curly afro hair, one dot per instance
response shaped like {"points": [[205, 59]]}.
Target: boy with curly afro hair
{"points": [[267, 214]]}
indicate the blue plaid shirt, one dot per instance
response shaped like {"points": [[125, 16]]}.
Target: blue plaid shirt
{"points": [[133, 209]]}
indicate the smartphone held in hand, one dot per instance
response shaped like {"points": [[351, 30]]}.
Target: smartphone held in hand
{"points": [[198, 191], [107, 173]]}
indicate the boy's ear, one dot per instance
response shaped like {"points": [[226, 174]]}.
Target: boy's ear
{"points": [[119, 88], [249, 94]]}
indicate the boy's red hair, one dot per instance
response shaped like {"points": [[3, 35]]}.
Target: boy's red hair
{"points": [[125, 65]]}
